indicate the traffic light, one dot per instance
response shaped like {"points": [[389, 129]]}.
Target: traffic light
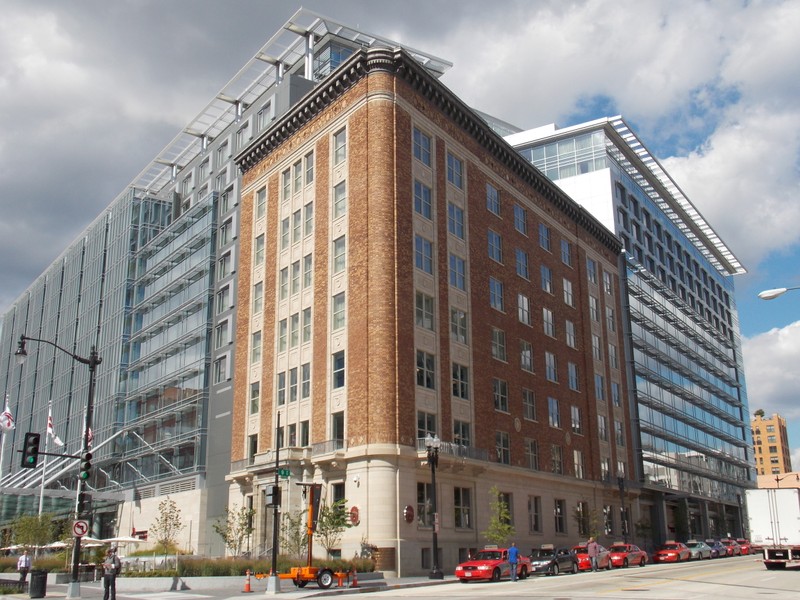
{"points": [[30, 450], [84, 503], [86, 465], [273, 495]]}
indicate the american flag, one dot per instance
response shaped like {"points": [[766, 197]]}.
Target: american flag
{"points": [[6, 418], [51, 430]]}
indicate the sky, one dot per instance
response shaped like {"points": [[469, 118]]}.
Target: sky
{"points": [[91, 91]]}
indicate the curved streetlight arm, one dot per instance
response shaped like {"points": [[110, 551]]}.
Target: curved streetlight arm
{"points": [[22, 353], [775, 292]]}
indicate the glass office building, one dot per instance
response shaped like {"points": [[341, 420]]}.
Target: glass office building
{"points": [[684, 347]]}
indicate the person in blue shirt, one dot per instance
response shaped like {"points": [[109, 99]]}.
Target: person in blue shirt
{"points": [[513, 559]]}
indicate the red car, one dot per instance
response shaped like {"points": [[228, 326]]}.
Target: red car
{"points": [[624, 555], [585, 564], [744, 545], [491, 564], [672, 552], [732, 546]]}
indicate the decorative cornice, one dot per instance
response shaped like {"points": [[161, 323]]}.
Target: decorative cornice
{"points": [[404, 67]]}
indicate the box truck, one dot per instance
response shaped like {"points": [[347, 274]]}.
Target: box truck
{"points": [[774, 517]]}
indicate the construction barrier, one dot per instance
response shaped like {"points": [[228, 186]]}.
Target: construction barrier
{"points": [[247, 589]]}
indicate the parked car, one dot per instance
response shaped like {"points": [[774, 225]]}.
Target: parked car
{"points": [[699, 549], [624, 555], [717, 549], [585, 564], [733, 547], [672, 552], [491, 564], [549, 560], [744, 545]]}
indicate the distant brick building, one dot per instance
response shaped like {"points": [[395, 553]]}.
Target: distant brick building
{"points": [[771, 445]]}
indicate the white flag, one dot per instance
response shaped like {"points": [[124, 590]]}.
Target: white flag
{"points": [[51, 431], [6, 419]]}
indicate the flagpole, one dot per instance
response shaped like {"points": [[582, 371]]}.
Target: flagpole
{"points": [[2, 452], [44, 463]]}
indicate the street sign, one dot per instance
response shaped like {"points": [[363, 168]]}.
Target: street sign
{"points": [[80, 528], [284, 473]]}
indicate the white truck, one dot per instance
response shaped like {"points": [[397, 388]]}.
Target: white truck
{"points": [[774, 516]]}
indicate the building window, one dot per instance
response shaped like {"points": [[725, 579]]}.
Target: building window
{"points": [[503, 447], [522, 264], [422, 147], [619, 433], [261, 203], [616, 396], [547, 279], [458, 325], [498, 344], [221, 369], [458, 273], [294, 330], [571, 340], [544, 237], [597, 353], [283, 330], [549, 322], [577, 459], [422, 199], [525, 356], [286, 185], [551, 368], [455, 220], [492, 199], [572, 373], [285, 233], [258, 298], [608, 285], [613, 361], [500, 394], [460, 381], [553, 413], [528, 405], [255, 348], [496, 294], [560, 515], [423, 254], [455, 171], [495, 244], [602, 428], [224, 266], [308, 219], [339, 147], [295, 283], [611, 322], [569, 298], [534, 514], [566, 253], [293, 384], [221, 335], [524, 309], [309, 159], [532, 454], [425, 370], [557, 459], [255, 397], [576, 420], [599, 388], [462, 505], [338, 317], [424, 505], [280, 388], [520, 219], [423, 311], [591, 270], [297, 170], [340, 200], [339, 254], [461, 434], [305, 383], [308, 270], [337, 370], [306, 325]]}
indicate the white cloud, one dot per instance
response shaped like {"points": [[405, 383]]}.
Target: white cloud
{"points": [[773, 379]]}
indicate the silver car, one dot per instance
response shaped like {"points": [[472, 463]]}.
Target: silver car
{"points": [[699, 549]]}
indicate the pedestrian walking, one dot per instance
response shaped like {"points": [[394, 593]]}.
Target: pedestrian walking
{"points": [[23, 566], [111, 567], [593, 549], [513, 559]]}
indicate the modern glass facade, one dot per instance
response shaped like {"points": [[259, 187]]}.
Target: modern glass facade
{"points": [[684, 348]]}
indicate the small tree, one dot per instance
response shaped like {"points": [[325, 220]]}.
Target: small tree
{"points": [[331, 524], [33, 531], [500, 529], [294, 533], [167, 525], [759, 413], [235, 528]]}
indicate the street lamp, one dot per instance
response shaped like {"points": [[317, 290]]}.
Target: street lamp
{"points": [[774, 293], [778, 478], [432, 444], [74, 588]]}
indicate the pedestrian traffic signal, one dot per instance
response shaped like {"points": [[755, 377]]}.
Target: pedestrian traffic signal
{"points": [[86, 465], [30, 450], [84, 503]]}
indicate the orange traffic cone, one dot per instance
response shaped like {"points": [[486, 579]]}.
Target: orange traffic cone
{"points": [[247, 589], [354, 584]]}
